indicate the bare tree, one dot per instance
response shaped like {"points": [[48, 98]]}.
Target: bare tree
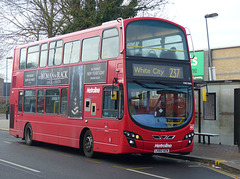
{"points": [[31, 20], [153, 8], [23, 21], [2, 67]]}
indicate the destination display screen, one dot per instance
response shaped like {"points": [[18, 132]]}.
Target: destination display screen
{"points": [[159, 71], [138, 69]]}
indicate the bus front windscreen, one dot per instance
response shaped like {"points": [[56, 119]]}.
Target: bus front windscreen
{"points": [[160, 106], [156, 39]]}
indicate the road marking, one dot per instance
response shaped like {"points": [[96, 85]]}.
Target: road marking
{"points": [[20, 166], [24, 145], [7, 142], [143, 173], [148, 174], [141, 168], [93, 161], [43, 150], [224, 173], [120, 167], [65, 155]]}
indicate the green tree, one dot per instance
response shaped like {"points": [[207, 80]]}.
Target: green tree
{"points": [[80, 15], [109, 10], [84, 14]]}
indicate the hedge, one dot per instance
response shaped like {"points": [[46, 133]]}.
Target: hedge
{"points": [[3, 108]]}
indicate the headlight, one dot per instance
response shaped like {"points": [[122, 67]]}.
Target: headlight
{"points": [[189, 136], [131, 137]]}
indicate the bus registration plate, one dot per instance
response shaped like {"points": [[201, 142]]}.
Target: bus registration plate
{"points": [[161, 150]]}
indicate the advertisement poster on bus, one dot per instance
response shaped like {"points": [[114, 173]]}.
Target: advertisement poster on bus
{"points": [[54, 76], [76, 92]]}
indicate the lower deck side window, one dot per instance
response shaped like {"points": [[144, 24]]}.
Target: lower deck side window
{"points": [[52, 101], [20, 100], [49, 101], [63, 104], [40, 101], [29, 101]]}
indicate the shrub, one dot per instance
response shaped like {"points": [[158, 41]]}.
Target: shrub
{"points": [[3, 108]]}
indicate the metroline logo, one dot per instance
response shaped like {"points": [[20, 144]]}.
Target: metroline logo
{"points": [[163, 146], [93, 90]]}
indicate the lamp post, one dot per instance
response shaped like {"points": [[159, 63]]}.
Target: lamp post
{"points": [[209, 52], [8, 58]]}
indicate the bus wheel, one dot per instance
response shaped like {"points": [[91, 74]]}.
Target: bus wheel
{"points": [[28, 134], [88, 144]]}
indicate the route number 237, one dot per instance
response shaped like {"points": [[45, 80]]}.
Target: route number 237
{"points": [[174, 72]]}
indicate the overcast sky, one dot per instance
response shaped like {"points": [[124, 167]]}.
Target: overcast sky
{"points": [[224, 31]]}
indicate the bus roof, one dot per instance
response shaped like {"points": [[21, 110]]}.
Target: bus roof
{"points": [[109, 24]]}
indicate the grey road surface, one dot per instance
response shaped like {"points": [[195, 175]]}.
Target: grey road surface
{"points": [[18, 160]]}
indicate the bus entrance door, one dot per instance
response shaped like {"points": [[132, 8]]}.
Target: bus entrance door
{"points": [[19, 116], [99, 120]]}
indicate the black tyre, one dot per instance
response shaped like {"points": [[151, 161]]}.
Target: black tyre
{"points": [[88, 144], [28, 134]]}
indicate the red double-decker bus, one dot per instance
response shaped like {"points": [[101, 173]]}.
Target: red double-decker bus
{"points": [[123, 87]]}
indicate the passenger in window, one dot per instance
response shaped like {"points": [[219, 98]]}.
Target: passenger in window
{"points": [[170, 54], [32, 106], [152, 54]]}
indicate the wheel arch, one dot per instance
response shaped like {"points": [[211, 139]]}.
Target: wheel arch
{"points": [[25, 129], [81, 138]]}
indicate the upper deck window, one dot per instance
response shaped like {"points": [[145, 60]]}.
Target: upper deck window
{"points": [[43, 55], [90, 49], [32, 56], [71, 52], [22, 59], [55, 53], [110, 44], [156, 39]]}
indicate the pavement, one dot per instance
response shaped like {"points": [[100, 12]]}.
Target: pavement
{"points": [[223, 156], [4, 123]]}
